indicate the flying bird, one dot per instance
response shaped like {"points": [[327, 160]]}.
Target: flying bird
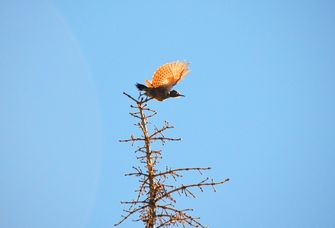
{"points": [[166, 76]]}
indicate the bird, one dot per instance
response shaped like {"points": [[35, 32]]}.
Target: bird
{"points": [[163, 80]]}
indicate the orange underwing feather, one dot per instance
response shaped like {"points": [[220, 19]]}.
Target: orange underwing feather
{"points": [[169, 74], [149, 84]]}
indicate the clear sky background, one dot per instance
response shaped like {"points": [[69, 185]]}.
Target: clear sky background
{"points": [[259, 108]]}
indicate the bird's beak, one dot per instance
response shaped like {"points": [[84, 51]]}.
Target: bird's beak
{"points": [[181, 95]]}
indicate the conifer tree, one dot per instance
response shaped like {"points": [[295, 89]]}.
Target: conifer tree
{"points": [[155, 203]]}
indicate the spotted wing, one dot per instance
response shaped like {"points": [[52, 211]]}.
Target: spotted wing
{"points": [[169, 74]]}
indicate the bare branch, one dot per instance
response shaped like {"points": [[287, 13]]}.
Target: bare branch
{"points": [[184, 187], [180, 215], [130, 97], [167, 126], [131, 140], [174, 171], [129, 214], [164, 138]]}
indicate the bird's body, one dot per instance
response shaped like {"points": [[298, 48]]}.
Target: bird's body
{"points": [[159, 93], [167, 76]]}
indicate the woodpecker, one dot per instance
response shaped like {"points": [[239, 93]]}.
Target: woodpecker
{"points": [[164, 79]]}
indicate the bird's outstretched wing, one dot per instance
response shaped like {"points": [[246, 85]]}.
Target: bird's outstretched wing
{"points": [[169, 74]]}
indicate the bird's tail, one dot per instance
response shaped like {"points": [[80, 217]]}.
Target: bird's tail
{"points": [[141, 87]]}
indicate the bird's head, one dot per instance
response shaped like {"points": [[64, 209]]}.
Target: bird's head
{"points": [[174, 93]]}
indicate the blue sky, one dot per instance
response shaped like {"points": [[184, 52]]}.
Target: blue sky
{"points": [[259, 108]]}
